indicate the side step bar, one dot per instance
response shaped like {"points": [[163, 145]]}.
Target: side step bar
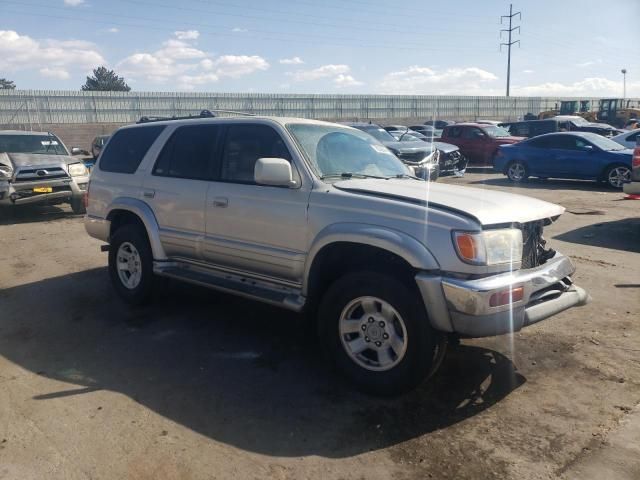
{"points": [[260, 290]]}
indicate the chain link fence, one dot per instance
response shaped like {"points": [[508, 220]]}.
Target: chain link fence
{"points": [[37, 107]]}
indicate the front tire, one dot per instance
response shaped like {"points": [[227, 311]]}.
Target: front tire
{"points": [[517, 171], [375, 330], [77, 206], [131, 264], [617, 175]]}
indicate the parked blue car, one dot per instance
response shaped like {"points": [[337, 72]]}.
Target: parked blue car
{"points": [[576, 155]]}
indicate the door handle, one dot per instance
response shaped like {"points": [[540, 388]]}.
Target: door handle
{"points": [[221, 202], [148, 193]]}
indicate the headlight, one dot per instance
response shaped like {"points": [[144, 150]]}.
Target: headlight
{"points": [[433, 157], [5, 172], [78, 169], [489, 247]]}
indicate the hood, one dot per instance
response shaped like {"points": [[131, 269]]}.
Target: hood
{"points": [[445, 147], [488, 207], [37, 160], [599, 126], [409, 147], [508, 140]]}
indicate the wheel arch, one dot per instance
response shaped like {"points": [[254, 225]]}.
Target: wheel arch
{"points": [[341, 246], [125, 210]]}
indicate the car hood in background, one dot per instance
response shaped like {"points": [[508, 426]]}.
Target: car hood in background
{"points": [[409, 147], [36, 159], [489, 207], [445, 147], [508, 140]]}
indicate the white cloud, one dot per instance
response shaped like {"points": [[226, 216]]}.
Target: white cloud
{"points": [[589, 63], [291, 61], [73, 3], [113, 30], [187, 34], [21, 52], [527, 71], [427, 81], [589, 87], [179, 62], [239, 30], [57, 73], [342, 81], [320, 72]]}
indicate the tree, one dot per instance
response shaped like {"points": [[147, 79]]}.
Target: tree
{"points": [[7, 84], [105, 80]]}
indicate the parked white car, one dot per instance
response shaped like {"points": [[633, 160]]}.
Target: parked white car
{"points": [[628, 139], [320, 217]]}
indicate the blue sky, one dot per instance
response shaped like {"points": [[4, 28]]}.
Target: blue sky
{"points": [[568, 47]]}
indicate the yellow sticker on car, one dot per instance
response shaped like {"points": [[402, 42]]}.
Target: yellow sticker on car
{"points": [[43, 190]]}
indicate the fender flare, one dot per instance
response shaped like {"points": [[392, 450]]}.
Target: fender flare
{"points": [[145, 214], [405, 246]]}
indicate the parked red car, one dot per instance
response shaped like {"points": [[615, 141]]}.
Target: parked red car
{"points": [[478, 142]]}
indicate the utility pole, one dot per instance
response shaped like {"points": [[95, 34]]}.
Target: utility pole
{"points": [[624, 84], [509, 43]]}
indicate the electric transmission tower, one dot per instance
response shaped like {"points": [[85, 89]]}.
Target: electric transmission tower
{"points": [[510, 42]]}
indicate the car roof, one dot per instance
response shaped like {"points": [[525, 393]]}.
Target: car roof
{"points": [[624, 134], [235, 119], [586, 135], [22, 132], [469, 124]]}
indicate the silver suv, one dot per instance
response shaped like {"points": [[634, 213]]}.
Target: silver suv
{"points": [[321, 217], [36, 168]]}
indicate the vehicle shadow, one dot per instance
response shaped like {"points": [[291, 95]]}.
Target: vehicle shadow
{"points": [[34, 214], [548, 184], [618, 235], [238, 372]]}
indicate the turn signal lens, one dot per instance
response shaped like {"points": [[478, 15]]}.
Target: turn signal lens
{"points": [[506, 297], [467, 246]]}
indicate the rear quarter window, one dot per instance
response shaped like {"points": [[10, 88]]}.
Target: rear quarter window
{"points": [[127, 148]]}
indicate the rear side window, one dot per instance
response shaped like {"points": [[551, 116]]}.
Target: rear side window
{"points": [[189, 153], [453, 132], [127, 148]]}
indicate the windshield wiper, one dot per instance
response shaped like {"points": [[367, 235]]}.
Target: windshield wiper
{"points": [[348, 175], [406, 175]]}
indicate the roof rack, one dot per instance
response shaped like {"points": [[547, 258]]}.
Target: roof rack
{"points": [[202, 114]]}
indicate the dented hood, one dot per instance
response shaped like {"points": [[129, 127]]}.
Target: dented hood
{"points": [[488, 207], [35, 159]]}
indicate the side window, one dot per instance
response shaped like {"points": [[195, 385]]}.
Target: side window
{"points": [[539, 142], [454, 132], [188, 153], [127, 148], [472, 133], [521, 129], [244, 145], [562, 142]]}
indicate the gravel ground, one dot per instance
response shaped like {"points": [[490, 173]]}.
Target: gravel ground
{"points": [[202, 385]]}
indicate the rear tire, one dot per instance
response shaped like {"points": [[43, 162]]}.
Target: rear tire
{"points": [[617, 175], [376, 332], [517, 171], [131, 264]]}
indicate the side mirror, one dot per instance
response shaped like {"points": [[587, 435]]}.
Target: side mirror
{"points": [[274, 171], [588, 148], [76, 151]]}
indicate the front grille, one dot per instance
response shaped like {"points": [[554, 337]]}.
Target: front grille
{"points": [[36, 174], [534, 252]]}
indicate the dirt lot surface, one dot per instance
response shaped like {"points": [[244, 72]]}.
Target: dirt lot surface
{"points": [[202, 385]]}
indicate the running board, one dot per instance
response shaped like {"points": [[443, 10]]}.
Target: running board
{"points": [[260, 290]]}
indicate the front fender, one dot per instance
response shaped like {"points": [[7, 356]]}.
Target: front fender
{"points": [[394, 241], [144, 212]]}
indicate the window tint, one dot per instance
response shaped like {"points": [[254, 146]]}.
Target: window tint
{"points": [[454, 132], [127, 148], [244, 145], [472, 133], [563, 142], [188, 153]]}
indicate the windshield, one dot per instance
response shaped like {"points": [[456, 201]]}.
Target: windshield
{"points": [[494, 131], [335, 150], [602, 142], [379, 133], [407, 137], [45, 144], [578, 122]]}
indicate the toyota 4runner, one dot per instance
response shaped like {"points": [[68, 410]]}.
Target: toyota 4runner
{"points": [[321, 217], [36, 168]]}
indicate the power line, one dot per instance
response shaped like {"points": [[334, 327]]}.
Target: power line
{"points": [[510, 43]]}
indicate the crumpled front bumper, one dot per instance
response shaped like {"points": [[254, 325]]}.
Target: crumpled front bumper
{"points": [[463, 306], [22, 193]]}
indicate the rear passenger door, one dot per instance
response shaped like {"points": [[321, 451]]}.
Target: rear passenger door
{"points": [[177, 187], [253, 228]]}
